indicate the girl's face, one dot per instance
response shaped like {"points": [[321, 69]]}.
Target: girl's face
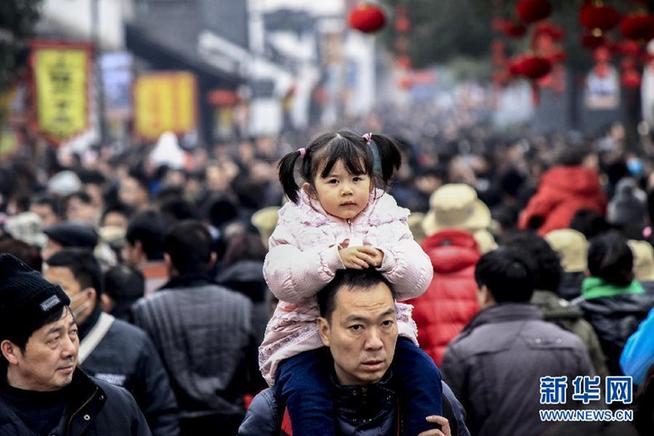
{"points": [[342, 194]]}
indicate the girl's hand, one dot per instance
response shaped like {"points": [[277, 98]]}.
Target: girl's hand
{"points": [[375, 255], [355, 258]]}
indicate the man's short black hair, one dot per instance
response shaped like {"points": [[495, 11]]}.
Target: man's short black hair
{"points": [[611, 259], [349, 278], [508, 273], [549, 273], [189, 245], [49, 200], [119, 208], [82, 196], [147, 227], [82, 264]]}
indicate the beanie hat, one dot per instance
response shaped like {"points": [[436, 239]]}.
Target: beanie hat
{"points": [[627, 208], [26, 298]]}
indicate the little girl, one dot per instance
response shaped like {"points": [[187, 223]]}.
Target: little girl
{"points": [[341, 218]]}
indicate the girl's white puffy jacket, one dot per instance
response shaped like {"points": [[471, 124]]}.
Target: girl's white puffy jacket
{"points": [[303, 258]]}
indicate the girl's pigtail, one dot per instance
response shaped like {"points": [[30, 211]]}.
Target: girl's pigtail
{"points": [[287, 175], [389, 156]]}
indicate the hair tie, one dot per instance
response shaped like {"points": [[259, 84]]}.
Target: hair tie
{"points": [[376, 158], [302, 151]]}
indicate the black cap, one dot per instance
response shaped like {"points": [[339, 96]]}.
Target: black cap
{"points": [[73, 235], [26, 298]]}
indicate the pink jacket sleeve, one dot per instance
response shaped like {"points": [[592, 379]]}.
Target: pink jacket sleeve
{"points": [[405, 264], [294, 275]]}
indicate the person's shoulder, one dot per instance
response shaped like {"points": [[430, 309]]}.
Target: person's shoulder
{"points": [[552, 335], [116, 396], [263, 416], [385, 208], [235, 297], [126, 329]]}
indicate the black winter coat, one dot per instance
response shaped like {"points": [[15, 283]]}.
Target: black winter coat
{"points": [[95, 408], [494, 367], [126, 357], [614, 320]]}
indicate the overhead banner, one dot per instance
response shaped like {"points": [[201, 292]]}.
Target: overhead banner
{"points": [[62, 77], [165, 102], [117, 84]]}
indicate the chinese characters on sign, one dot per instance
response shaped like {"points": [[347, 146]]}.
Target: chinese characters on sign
{"points": [[61, 82], [586, 389], [164, 102]]}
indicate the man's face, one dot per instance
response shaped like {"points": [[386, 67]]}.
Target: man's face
{"points": [[132, 193], [45, 212], [115, 219], [49, 358], [342, 194], [82, 302], [77, 210], [361, 334]]}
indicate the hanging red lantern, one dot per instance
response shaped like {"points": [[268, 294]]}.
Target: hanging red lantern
{"points": [[403, 62], [598, 18], [551, 30], [509, 28], [501, 77], [627, 48], [367, 18], [531, 67], [530, 11], [639, 27], [557, 56], [402, 22], [590, 41], [602, 54], [631, 79]]}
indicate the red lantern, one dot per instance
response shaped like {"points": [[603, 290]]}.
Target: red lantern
{"points": [[501, 77], [546, 28], [530, 11], [591, 41], [509, 28], [602, 54], [367, 18], [638, 27], [531, 67], [631, 78], [403, 62], [557, 56], [598, 18], [627, 48]]}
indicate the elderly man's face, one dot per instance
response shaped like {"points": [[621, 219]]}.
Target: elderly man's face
{"points": [[49, 358], [361, 334]]}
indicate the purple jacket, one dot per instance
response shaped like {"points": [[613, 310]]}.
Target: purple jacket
{"points": [[303, 258]]}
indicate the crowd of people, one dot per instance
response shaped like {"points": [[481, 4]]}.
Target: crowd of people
{"points": [[422, 281]]}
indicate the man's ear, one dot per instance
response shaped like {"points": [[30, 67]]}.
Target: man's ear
{"points": [[138, 247], [91, 293], [323, 330], [213, 259], [168, 261], [9, 350], [485, 296], [106, 303]]}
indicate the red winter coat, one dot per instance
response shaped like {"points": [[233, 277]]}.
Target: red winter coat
{"points": [[451, 299], [561, 193]]}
